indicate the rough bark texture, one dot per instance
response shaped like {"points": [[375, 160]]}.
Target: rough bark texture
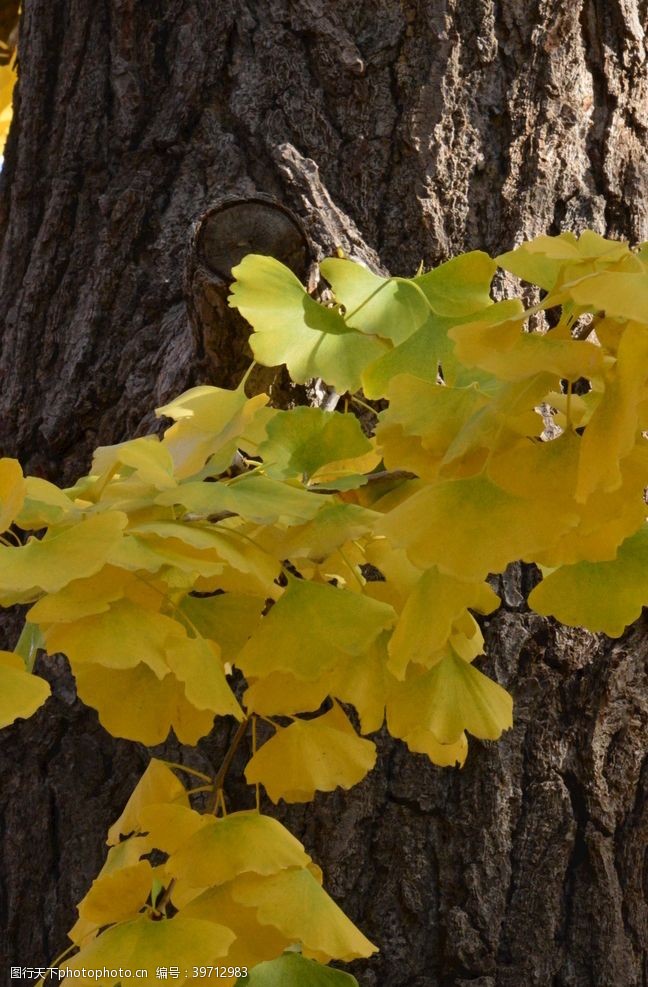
{"points": [[404, 130]]}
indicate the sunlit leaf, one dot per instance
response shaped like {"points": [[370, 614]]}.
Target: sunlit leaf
{"points": [[292, 328], [49, 563], [602, 596], [311, 755]]}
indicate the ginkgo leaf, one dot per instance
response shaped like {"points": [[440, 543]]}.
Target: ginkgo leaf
{"points": [[121, 637], [303, 440], [426, 621], [612, 430], [335, 524], [12, 491], [294, 903], [421, 354], [503, 349], [293, 970], [311, 755], [461, 286], [282, 694], [450, 698], [378, 306], [362, 680], [143, 944], [422, 741], [240, 552], [254, 942], [49, 563], [490, 527], [620, 294], [146, 456], [257, 498], [310, 627], [209, 420], [543, 259], [228, 618], [292, 328], [158, 784], [240, 843], [154, 705], [196, 663], [44, 505], [601, 596], [169, 824], [21, 693], [117, 896]]}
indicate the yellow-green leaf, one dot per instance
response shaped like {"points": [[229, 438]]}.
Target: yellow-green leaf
{"points": [[292, 328]]}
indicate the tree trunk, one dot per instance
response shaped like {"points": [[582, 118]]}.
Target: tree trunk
{"points": [[405, 131]]}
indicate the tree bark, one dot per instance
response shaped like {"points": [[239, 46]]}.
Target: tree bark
{"points": [[404, 131]]}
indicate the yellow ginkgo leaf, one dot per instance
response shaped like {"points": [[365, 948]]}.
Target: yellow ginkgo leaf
{"points": [[363, 681], [308, 630], [12, 492], [44, 505], [254, 942], [149, 458], [450, 698], [121, 637], [619, 294], [240, 843], [256, 498], [311, 755], [426, 621], [117, 896], [613, 428], [228, 618], [154, 705], [601, 596], [293, 902], [421, 741], [208, 422], [335, 524], [282, 694], [83, 597], [21, 693], [170, 824], [489, 529], [49, 563], [158, 784], [503, 349], [143, 944], [197, 664]]}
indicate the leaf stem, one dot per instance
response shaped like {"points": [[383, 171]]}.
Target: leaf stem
{"points": [[227, 761]]}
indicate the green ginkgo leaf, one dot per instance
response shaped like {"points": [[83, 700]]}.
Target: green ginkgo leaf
{"points": [[601, 596], [293, 970], [292, 328]]}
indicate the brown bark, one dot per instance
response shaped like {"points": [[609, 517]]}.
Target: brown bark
{"points": [[404, 130]]}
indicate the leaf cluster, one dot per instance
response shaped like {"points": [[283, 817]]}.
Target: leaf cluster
{"points": [[507, 433]]}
